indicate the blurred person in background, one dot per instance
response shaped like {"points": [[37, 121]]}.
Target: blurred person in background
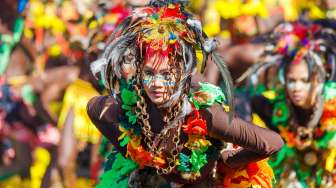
{"points": [[300, 103]]}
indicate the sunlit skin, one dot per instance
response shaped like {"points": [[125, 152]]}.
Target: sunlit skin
{"points": [[157, 81], [301, 91]]}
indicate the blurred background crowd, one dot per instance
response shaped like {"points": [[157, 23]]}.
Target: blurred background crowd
{"points": [[46, 46]]}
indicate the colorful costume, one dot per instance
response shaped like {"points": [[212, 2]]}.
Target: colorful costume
{"points": [[76, 97], [313, 164], [185, 144], [307, 159], [199, 149]]}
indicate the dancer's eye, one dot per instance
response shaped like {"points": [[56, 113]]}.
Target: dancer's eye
{"points": [[305, 80], [166, 75], [148, 73]]}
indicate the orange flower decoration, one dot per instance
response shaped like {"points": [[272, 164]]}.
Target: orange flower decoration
{"points": [[329, 109], [195, 124], [139, 155], [288, 136], [144, 158]]}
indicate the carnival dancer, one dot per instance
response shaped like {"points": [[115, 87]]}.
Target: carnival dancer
{"points": [[78, 132], [300, 106], [165, 132]]}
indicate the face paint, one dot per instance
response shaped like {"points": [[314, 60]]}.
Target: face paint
{"points": [[164, 79], [298, 85]]}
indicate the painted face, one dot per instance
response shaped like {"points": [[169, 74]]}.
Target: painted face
{"points": [[298, 85], [158, 82]]}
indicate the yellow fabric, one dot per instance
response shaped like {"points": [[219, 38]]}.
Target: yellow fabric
{"points": [[330, 161], [262, 179], [235, 8], [84, 183], [44, 15], [17, 80], [15, 182], [199, 56], [41, 162], [77, 95], [258, 121], [292, 9], [212, 21], [271, 94], [37, 170], [55, 107]]}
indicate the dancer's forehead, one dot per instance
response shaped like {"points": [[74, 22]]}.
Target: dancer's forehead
{"points": [[157, 67], [298, 70], [157, 61]]}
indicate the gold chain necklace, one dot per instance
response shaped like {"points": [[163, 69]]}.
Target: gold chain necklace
{"points": [[146, 129]]}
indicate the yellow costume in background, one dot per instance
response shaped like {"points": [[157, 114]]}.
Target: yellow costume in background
{"points": [[245, 10], [77, 95]]}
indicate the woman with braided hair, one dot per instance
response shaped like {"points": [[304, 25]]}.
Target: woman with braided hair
{"points": [[300, 106], [166, 132]]}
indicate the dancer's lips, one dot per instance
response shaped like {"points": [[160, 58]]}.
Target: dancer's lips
{"points": [[157, 93], [297, 97]]}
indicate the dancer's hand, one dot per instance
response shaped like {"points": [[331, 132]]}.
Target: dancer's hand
{"points": [[49, 135]]}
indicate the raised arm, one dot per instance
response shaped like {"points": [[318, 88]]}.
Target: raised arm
{"points": [[258, 143], [104, 112]]}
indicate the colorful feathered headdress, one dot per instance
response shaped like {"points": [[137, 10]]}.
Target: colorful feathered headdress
{"points": [[162, 32], [296, 42]]}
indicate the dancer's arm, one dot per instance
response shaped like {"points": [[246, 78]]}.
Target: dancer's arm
{"points": [[258, 143], [104, 112]]}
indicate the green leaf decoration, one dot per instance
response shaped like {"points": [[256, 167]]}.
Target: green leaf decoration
{"points": [[319, 174], [128, 97], [280, 113], [129, 100], [301, 174], [103, 147], [280, 156], [259, 89], [207, 95], [126, 107], [197, 160], [132, 118], [323, 142], [118, 175], [329, 90], [125, 141], [123, 84]]}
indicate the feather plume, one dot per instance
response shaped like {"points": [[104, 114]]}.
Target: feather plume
{"points": [[228, 90]]}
